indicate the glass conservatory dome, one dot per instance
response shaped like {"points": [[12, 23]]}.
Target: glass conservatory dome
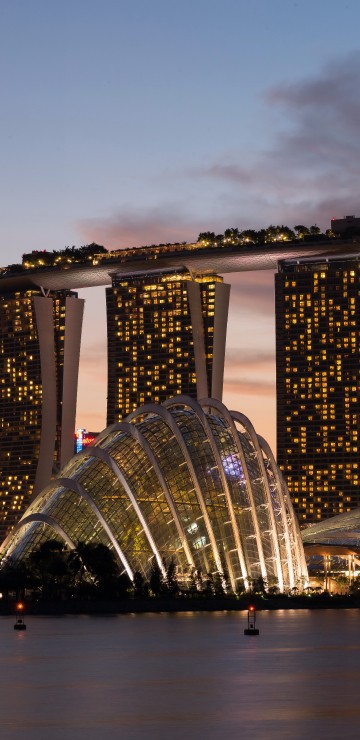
{"points": [[186, 481]]}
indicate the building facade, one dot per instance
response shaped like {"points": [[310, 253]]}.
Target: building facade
{"points": [[39, 358], [348, 224], [318, 384], [166, 336]]}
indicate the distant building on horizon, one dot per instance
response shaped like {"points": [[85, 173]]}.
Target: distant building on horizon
{"points": [[39, 359], [318, 384], [83, 438], [347, 224], [166, 336]]}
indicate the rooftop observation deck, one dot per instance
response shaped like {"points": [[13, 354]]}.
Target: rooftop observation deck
{"points": [[197, 258]]}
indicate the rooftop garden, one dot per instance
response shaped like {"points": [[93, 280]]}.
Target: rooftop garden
{"points": [[93, 254], [62, 257]]}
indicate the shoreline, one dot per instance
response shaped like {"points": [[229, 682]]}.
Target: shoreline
{"points": [[161, 605]]}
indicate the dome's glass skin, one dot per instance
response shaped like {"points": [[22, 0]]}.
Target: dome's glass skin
{"points": [[186, 480]]}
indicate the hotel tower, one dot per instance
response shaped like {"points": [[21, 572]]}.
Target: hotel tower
{"points": [[166, 336], [318, 384], [39, 358]]}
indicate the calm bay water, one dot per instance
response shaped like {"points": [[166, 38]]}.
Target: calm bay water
{"points": [[172, 677]]}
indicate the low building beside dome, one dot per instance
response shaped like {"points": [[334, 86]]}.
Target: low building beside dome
{"points": [[186, 481], [332, 549]]}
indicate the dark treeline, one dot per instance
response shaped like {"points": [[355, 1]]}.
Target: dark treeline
{"points": [[61, 256], [42, 259], [264, 236], [52, 573]]}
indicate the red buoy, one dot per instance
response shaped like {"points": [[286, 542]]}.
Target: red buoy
{"points": [[19, 621], [251, 628]]}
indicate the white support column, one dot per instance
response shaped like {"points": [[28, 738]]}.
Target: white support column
{"points": [[7, 545], [195, 406], [45, 327], [299, 550], [152, 409], [74, 309], [75, 487], [221, 310], [100, 454], [275, 545], [125, 426], [219, 407], [197, 323]]}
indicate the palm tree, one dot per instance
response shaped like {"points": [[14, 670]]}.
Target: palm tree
{"points": [[231, 235], [207, 236], [301, 231], [248, 236]]}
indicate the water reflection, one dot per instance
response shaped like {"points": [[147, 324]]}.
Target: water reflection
{"points": [[181, 676]]}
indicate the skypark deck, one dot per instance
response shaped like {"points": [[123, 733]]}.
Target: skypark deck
{"points": [[194, 257]]}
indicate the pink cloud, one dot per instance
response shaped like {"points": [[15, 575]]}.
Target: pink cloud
{"points": [[131, 227], [248, 387], [252, 291], [239, 359]]}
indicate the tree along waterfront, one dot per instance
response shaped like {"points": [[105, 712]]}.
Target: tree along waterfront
{"points": [[89, 575]]}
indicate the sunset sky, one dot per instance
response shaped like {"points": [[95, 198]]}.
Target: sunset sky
{"points": [[130, 122]]}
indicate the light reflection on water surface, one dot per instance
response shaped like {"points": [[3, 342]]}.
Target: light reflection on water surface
{"points": [[173, 677]]}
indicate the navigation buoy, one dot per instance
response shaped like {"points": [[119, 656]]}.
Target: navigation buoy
{"points": [[19, 621], [251, 628]]}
